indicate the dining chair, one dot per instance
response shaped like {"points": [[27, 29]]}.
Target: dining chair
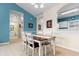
{"points": [[24, 41], [31, 44]]}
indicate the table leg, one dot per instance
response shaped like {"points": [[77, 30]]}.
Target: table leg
{"points": [[54, 49], [40, 49], [45, 50]]}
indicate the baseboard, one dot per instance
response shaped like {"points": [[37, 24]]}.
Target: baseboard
{"points": [[72, 49], [4, 43]]}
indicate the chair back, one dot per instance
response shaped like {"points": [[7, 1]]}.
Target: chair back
{"points": [[23, 36], [30, 38]]}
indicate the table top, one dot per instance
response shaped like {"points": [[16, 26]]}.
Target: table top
{"points": [[42, 37]]}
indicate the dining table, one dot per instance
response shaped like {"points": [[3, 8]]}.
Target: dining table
{"points": [[43, 38]]}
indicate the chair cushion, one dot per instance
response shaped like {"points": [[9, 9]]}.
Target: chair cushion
{"points": [[35, 45]]}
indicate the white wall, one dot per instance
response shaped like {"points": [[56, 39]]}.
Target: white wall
{"points": [[65, 38], [47, 15]]}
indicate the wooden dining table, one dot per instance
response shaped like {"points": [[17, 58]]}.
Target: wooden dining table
{"points": [[43, 38]]}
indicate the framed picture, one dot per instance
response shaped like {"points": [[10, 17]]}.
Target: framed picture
{"points": [[30, 25], [39, 27], [74, 24], [20, 25], [63, 25], [49, 24]]}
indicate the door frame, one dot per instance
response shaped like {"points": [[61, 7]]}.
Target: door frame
{"points": [[21, 21]]}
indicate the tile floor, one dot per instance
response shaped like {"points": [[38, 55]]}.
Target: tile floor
{"points": [[17, 49]]}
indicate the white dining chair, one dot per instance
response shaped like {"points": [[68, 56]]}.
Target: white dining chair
{"points": [[31, 44], [24, 41]]}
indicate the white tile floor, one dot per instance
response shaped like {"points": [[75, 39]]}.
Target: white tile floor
{"points": [[15, 49]]}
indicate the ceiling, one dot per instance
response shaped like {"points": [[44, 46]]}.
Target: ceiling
{"points": [[68, 7], [36, 11]]}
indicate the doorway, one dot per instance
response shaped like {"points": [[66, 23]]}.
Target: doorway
{"points": [[16, 26]]}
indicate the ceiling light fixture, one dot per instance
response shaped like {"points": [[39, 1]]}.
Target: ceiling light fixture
{"points": [[70, 11], [42, 6], [38, 5], [32, 3]]}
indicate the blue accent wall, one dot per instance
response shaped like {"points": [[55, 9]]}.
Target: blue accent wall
{"points": [[69, 18], [5, 9]]}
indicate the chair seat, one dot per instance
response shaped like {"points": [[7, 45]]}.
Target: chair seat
{"points": [[35, 45]]}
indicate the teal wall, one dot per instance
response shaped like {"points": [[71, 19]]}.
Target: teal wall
{"points": [[69, 18], [5, 9]]}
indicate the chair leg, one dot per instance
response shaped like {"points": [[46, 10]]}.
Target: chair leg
{"points": [[37, 50], [33, 52], [26, 49]]}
